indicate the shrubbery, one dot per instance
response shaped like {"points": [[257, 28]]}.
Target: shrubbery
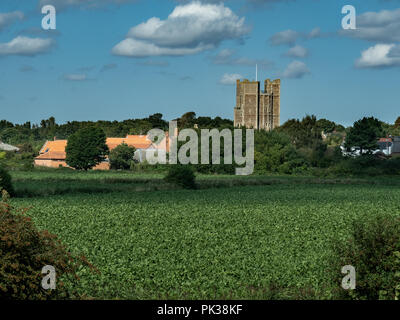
{"points": [[122, 157], [24, 251], [374, 251], [5, 181], [181, 175]]}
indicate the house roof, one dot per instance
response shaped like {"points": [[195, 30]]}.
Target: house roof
{"points": [[55, 150], [7, 147], [139, 142]]}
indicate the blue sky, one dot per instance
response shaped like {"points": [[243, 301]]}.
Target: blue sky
{"points": [[120, 59]]}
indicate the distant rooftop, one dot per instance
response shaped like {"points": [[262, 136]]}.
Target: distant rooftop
{"points": [[7, 147]]}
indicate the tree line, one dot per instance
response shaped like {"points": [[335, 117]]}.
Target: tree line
{"points": [[309, 145]]}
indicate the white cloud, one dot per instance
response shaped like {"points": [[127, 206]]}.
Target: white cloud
{"points": [[75, 77], [297, 52], [284, 37], [26, 46], [295, 70], [290, 37], [140, 49], [383, 27], [378, 56], [230, 78], [9, 17], [189, 29], [314, 33]]}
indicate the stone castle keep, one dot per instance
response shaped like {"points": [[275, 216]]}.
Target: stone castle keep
{"points": [[255, 108]]}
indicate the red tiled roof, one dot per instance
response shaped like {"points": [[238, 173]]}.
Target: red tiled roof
{"points": [[55, 150], [385, 140]]}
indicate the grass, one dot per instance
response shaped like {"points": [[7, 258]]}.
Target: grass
{"points": [[48, 182], [248, 242]]}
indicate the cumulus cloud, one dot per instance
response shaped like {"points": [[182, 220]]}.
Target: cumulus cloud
{"points": [[382, 27], [228, 57], [189, 29], [378, 56], [284, 37], [290, 37], [75, 77], [295, 70], [9, 18], [25, 46], [230, 78], [297, 52]]}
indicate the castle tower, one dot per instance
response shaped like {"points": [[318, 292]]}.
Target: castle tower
{"points": [[255, 108]]}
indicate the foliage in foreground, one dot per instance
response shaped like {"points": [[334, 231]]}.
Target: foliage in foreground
{"points": [[374, 251], [5, 181], [24, 251]]}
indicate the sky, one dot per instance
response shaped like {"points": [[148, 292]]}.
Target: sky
{"points": [[124, 59]]}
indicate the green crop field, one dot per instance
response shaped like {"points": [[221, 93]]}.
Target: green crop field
{"points": [[212, 243]]}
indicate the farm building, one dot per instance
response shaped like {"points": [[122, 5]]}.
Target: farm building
{"points": [[7, 147], [388, 146], [396, 145], [53, 153]]}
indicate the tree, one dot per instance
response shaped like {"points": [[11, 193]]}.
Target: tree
{"points": [[326, 126], [122, 157], [304, 133], [157, 121], [274, 152], [397, 123], [187, 120], [86, 148], [364, 134]]}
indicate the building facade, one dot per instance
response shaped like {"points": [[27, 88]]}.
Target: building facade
{"points": [[53, 153], [256, 108]]}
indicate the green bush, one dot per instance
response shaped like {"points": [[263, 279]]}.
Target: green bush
{"points": [[181, 175], [122, 157], [374, 251], [24, 251], [5, 181]]}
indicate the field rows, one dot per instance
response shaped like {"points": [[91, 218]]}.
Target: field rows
{"points": [[214, 243]]}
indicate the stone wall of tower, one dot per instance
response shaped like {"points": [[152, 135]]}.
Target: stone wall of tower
{"points": [[257, 109], [238, 111], [246, 110], [273, 88]]}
